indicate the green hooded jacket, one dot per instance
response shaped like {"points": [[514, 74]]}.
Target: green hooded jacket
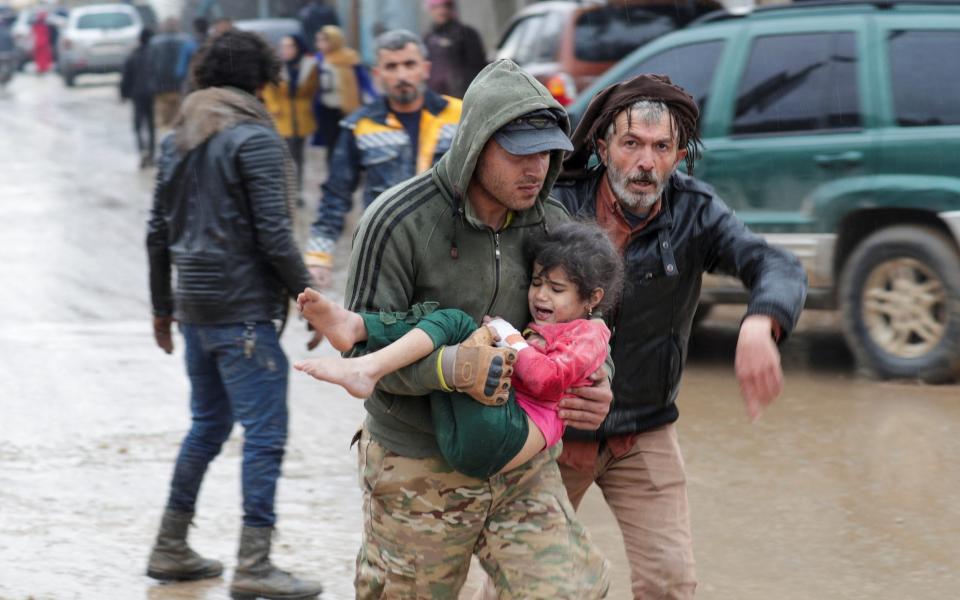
{"points": [[420, 241]]}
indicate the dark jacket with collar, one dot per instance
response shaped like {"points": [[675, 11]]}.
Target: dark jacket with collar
{"points": [[373, 142], [456, 56], [221, 216], [136, 82], [695, 232], [163, 54]]}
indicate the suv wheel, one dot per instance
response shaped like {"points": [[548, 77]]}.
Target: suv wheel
{"points": [[900, 297], [69, 79]]}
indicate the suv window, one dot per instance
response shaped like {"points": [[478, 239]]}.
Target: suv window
{"points": [[804, 82], [549, 38], [519, 43], [115, 20], [691, 67], [611, 32], [926, 84]]}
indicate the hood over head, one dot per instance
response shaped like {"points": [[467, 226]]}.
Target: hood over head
{"points": [[500, 94]]}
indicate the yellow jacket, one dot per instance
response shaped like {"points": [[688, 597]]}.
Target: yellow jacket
{"points": [[294, 116]]}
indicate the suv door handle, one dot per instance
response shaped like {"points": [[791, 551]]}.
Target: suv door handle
{"points": [[844, 159]]}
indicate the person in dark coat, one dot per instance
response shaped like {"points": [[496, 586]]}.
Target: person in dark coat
{"points": [[314, 16], [8, 58], [455, 50], [164, 56], [671, 229], [221, 219], [135, 86]]}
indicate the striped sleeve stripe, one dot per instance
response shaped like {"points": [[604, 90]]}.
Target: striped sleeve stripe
{"points": [[553, 201], [376, 235]]}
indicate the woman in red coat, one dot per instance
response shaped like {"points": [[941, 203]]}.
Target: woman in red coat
{"points": [[42, 52]]}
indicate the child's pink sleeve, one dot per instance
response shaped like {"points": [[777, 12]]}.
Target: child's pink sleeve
{"points": [[546, 374]]}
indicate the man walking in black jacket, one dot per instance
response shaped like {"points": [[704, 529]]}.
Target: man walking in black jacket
{"points": [[136, 87], [671, 228], [163, 56], [455, 50], [221, 214]]}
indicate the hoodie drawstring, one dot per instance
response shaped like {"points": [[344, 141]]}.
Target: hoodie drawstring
{"points": [[543, 219], [454, 249]]}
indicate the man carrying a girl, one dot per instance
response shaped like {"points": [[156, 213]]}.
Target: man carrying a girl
{"points": [[457, 235]]}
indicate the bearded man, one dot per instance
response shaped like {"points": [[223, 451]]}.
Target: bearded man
{"points": [[671, 228], [402, 134]]}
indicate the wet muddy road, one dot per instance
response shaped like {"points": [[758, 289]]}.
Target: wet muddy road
{"points": [[846, 488]]}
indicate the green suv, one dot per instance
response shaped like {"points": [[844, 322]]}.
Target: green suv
{"points": [[834, 130]]}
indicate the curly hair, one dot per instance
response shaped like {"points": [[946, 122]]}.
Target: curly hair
{"points": [[585, 253], [235, 58]]}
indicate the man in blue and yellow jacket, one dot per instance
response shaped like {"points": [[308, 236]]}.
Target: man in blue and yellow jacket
{"points": [[392, 139]]}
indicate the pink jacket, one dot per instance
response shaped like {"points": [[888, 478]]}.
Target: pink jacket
{"points": [[572, 352]]}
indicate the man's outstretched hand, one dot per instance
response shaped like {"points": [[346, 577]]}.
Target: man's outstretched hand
{"points": [[590, 406], [161, 333], [757, 364]]}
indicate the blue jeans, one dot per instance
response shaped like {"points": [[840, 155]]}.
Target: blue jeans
{"points": [[237, 372]]}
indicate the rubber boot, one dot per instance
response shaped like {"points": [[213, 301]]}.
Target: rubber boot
{"points": [[256, 577], [172, 559]]}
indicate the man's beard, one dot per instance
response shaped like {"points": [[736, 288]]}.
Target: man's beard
{"points": [[407, 93], [619, 182]]}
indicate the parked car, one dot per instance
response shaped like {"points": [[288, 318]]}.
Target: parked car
{"points": [[97, 39], [566, 45], [23, 29], [273, 30], [835, 131]]}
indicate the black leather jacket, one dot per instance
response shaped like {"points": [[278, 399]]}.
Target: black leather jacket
{"points": [[694, 232], [220, 217]]}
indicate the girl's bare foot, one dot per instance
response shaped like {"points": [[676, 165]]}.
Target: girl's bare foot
{"points": [[352, 374], [343, 328]]}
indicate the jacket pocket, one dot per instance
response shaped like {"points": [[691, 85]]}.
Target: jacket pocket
{"points": [[644, 273], [200, 279]]}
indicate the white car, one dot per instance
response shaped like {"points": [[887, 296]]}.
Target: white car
{"points": [[97, 39]]}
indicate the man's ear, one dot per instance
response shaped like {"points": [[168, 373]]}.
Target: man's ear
{"points": [[602, 150], [681, 154], [426, 69]]}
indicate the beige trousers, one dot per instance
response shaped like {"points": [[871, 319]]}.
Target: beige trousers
{"points": [[165, 107], [647, 491]]}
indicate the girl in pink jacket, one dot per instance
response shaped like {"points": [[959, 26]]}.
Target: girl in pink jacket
{"points": [[576, 272]]}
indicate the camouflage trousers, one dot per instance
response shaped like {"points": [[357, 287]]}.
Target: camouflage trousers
{"points": [[423, 521]]}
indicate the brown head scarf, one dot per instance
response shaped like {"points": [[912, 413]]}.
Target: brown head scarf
{"points": [[343, 60], [608, 103]]}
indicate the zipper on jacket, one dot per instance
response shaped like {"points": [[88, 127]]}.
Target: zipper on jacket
{"points": [[496, 271]]}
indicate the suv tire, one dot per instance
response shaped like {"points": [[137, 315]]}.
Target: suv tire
{"points": [[69, 79], [900, 300]]}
